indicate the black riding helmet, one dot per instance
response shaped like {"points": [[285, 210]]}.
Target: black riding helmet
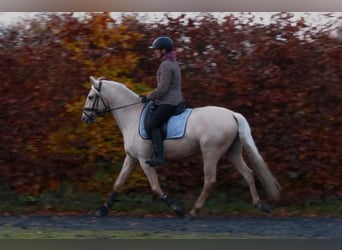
{"points": [[162, 42]]}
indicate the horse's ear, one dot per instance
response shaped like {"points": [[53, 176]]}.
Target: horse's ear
{"points": [[93, 81]]}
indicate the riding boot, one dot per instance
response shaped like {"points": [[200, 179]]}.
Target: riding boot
{"points": [[158, 149]]}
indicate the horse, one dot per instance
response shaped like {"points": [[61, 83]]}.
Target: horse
{"points": [[211, 131]]}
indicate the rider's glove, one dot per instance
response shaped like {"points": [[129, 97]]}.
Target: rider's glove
{"points": [[144, 98]]}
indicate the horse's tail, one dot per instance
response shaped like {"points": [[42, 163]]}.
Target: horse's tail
{"points": [[260, 167]]}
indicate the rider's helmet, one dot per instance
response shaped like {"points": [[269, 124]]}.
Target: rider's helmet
{"points": [[162, 42]]}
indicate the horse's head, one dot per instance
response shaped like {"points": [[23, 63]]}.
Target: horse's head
{"points": [[95, 104]]}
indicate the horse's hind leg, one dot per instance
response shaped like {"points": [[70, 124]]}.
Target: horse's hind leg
{"points": [[235, 156]]}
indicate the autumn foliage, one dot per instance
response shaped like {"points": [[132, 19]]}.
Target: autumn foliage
{"points": [[284, 77]]}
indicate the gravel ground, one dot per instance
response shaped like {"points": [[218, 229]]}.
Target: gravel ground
{"points": [[292, 227]]}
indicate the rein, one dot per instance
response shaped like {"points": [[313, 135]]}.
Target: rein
{"points": [[107, 109]]}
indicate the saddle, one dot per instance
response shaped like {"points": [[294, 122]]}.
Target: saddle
{"points": [[173, 128]]}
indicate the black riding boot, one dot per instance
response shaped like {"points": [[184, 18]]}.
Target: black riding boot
{"points": [[158, 149]]}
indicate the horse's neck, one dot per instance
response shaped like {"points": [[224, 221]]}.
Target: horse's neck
{"points": [[120, 96]]}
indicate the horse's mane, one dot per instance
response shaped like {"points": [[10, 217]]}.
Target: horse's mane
{"points": [[121, 87]]}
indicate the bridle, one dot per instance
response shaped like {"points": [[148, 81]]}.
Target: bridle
{"points": [[95, 105]]}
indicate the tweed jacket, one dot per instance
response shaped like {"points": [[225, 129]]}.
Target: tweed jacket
{"points": [[169, 84]]}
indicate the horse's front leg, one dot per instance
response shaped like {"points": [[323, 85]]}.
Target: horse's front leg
{"points": [[152, 178], [127, 168]]}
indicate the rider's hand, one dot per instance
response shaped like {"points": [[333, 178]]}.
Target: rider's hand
{"points": [[144, 98]]}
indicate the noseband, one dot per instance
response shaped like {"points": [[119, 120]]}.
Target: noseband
{"points": [[98, 97], [107, 108]]}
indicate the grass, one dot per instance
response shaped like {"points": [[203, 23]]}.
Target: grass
{"points": [[67, 199], [17, 233]]}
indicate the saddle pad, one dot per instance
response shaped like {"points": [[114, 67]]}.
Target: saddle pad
{"points": [[175, 126]]}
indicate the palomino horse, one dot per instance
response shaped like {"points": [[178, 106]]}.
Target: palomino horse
{"points": [[210, 131]]}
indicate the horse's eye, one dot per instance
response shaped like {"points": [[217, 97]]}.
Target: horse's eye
{"points": [[90, 97]]}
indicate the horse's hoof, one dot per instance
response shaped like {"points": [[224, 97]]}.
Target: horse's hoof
{"points": [[264, 207], [179, 211], [102, 211], [190, 217]]}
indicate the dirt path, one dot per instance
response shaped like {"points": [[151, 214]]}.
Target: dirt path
{"points": [[330, 228]]}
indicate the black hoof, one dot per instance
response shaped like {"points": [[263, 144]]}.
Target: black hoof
{"points": [[179, 211], [102, 211], [190, 217], [264, 207]]}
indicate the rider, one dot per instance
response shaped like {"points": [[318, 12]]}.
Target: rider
{"points": [[166, 96]]}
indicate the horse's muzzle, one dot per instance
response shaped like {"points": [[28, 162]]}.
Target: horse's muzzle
{"points": [[88, 118]]}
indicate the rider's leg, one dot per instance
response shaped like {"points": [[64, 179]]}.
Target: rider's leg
{"points": [[158, 148], [161, 114]]}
